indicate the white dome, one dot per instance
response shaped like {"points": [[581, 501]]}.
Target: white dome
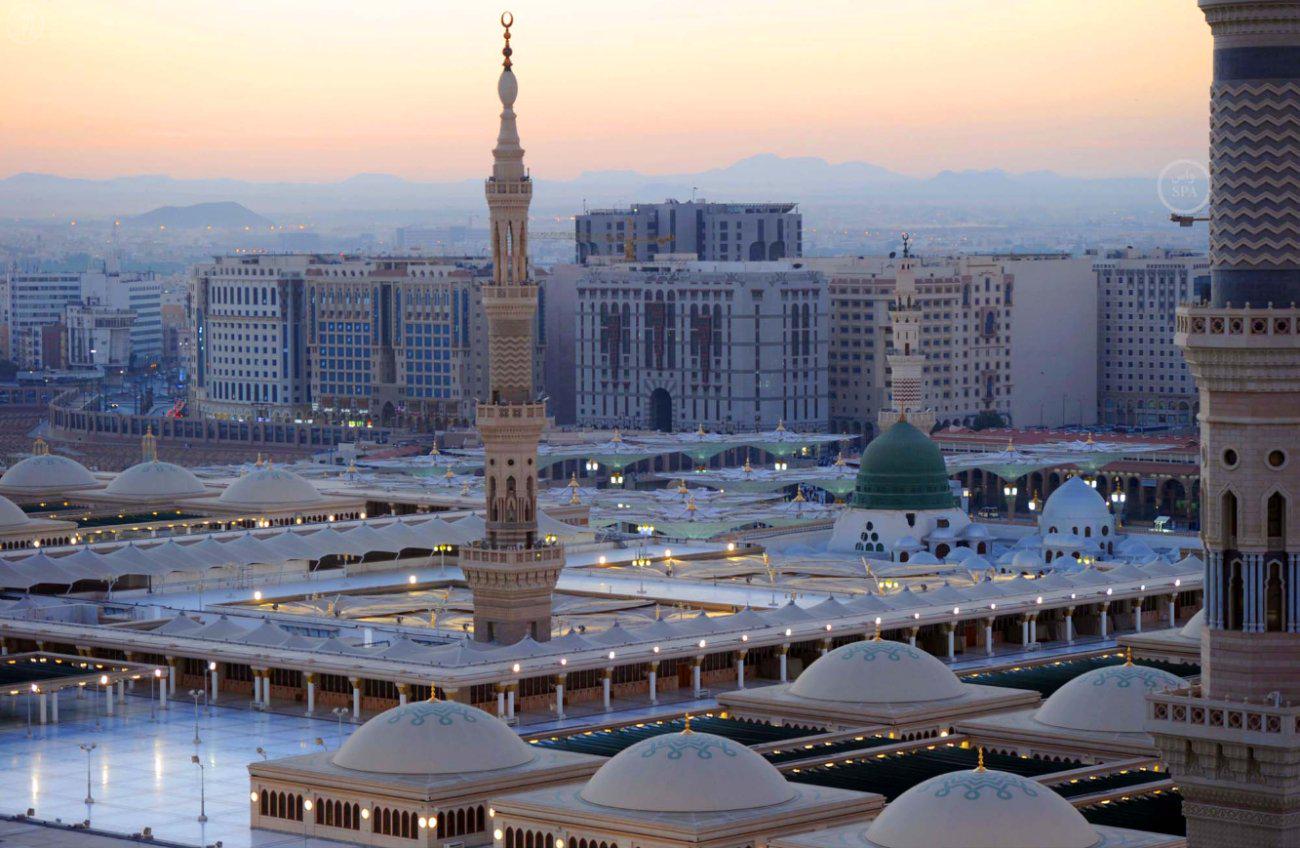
{"points": [[981, 809], [433, 737], [1074, 504], [877, 672], [687, 773], [1025, 559], [1194, 627], [155, 479], [46, 473], [11, 515], [1108, 700], [270, 487]]}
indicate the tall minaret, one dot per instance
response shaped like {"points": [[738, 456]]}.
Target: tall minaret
{"points": [[1234, 745], [906, 362], [511, 573]]}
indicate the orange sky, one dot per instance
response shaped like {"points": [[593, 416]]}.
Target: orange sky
{"points": [[323, 89]]}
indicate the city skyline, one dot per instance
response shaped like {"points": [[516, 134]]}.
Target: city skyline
{"points": [[277, 93]]}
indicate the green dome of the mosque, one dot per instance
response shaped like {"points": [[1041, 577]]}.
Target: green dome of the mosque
{"points": [[902, 469]]}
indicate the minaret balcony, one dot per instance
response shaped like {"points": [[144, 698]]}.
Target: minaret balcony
{"points": [[1202, 325], [1187, 712]]}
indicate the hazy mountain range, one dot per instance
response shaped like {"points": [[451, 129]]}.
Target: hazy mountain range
{"points": [[806, 180]]}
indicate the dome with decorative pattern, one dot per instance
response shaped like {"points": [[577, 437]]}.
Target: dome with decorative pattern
{"points": [[155, 479], [1107, 700], [687, 773], [433, 737], [271, 487], [46, 473], [877, 672], [981, 809]]}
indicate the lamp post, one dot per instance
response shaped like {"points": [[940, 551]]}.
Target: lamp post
{"points": [[339, 713], [1010, 492], [88, 747], [35, 691], [1117, 500], [196, 694], [203, 801], [307, 806]]}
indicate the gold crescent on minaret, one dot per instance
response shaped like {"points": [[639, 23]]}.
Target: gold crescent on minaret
{"points": [[507, 21]]}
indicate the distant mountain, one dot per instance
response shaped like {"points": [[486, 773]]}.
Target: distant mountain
{"points": [[375, 197], [223, 215]]}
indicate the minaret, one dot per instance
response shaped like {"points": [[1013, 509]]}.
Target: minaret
{"points": [[1233, 745], [906, 362], [510, 572]]}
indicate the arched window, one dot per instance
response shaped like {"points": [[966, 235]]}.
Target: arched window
{"points": [[1228, 519], [1274, 598], [1277, 522]]}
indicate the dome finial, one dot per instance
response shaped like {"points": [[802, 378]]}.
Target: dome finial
{"points": [[1128, 656], [687, 728], [149, 445], [507, 21], [979, 766], [40, 447]]}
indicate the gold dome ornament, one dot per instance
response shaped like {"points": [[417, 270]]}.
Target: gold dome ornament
{"points": [[507, 21]]}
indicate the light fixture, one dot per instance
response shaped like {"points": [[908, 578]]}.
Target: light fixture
{"points": [[307, 804], [702, 643], [257, 594], [411, 579], [365, 812], [252, 796], [788, 632], [497, 834], [515, 668]]}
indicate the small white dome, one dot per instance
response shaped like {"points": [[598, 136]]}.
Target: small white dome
{"points": [[11, 515], [433, 737], [1026, 560], [687, 773], [271, 487], [981, 809], [1194, 627], [46, 474], [1074, 504], [877, 672], [1107, 700], [155, 479]]}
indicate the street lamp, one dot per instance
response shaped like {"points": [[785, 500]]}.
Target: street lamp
{"points": [[196, 694], [307, 806], [1010, 492], [88, 747], [1117, 500], [203, 813], [339, 713]]}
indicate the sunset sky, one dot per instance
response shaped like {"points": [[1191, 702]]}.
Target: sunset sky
{"points": [[323, 89]]}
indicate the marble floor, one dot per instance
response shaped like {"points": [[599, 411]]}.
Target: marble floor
{"points": [[140, 770]]}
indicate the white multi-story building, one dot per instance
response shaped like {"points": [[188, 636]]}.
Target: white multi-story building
{"points": [[250, 341], [734, 232], [1144, 380], [98, 336], [36, 301], [677, 344]]}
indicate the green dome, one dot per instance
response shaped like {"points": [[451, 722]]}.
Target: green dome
{"points": [[903, 469]]}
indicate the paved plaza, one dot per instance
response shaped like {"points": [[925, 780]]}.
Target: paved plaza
{"points": [[140, 770]]}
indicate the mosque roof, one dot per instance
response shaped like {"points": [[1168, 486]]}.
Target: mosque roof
{"points": [[433, 737], [687, 772]]}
